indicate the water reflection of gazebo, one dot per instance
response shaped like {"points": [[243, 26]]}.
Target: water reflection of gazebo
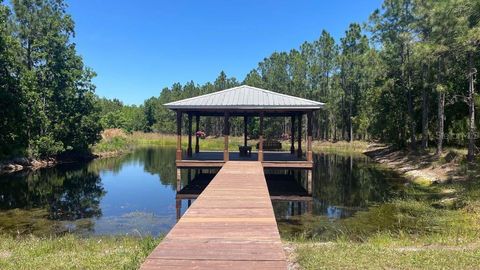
{"points": [[247, 102]]}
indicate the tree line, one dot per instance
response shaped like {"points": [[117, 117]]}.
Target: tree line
{"points": [[47, 100], [406, 76]]}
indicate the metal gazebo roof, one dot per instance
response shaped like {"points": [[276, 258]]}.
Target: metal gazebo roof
{"points": [[245, 97]]}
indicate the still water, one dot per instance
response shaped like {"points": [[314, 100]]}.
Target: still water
{"points": [[136, 194]]}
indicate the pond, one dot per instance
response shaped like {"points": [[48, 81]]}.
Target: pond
{"points": [[136, 194]]}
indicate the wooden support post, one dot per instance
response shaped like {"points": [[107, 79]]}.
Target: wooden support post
{"points": [[309, 182], [197, 128], [260, 139], [189, 148], [179, 136], [299, 147], [226, 132], [179, 180], [178, 206], [245, 123], [309, 207], [189, 176], [292, 136], [309, 137]]}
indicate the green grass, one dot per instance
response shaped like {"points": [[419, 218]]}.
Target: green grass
{"points": [[115, 144], [340, 147], [405, 234], [417, 230], [404, 219], [121, 143], [351, 255], [73, 252]]}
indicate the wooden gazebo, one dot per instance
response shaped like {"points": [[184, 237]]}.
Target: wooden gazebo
{"points": [[247, 102]]}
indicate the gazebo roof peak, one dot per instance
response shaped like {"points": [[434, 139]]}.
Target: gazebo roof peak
{"points": [[245, 97]]}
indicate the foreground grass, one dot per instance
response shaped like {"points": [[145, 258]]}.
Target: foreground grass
{"points": [[397, 235], [433, 226], [73, 252], [348, 255]]}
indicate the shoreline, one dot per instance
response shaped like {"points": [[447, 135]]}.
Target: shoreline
{"points": [[420, 167], [414, 166], [22, 164]]}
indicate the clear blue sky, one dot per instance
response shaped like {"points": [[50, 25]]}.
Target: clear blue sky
{"points": [[139, 47]]}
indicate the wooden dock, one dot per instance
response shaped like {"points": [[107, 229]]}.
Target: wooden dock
{"points": [[231, 225]]}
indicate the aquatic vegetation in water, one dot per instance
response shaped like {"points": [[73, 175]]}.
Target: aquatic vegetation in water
{"points": [[36, 221]]}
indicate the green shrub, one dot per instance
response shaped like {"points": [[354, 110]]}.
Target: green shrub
{"points": [[45, 146]]}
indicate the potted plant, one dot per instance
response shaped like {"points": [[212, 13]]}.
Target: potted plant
{"points": [[200, 134]]}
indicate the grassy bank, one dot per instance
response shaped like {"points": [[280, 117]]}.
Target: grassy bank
{"points": [[398, 235], [340, 147], [72, 252], [425, 166], [347, 255], [116, 141], [427, 225]]}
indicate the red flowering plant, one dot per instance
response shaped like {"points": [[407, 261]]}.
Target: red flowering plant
{"points": [[200, 134], [285, 136]]}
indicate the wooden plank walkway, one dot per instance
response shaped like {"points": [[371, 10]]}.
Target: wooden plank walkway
{"points": [[231, 225]]}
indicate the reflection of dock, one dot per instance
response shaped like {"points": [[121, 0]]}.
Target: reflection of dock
{"points": [[281, 187], [231, 224]]}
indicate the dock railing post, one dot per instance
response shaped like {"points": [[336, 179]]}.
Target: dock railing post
{"points": [[292, 136], [299, 135], [309, 137], [189, 148], [245, 129], [260, 139], [179, 136], [226, 132], [197, 128]]}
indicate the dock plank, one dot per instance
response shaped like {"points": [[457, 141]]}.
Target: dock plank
{"points": [[231, 225]]}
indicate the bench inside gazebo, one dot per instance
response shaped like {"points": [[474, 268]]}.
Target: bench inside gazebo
{"points": [[247, 102]]}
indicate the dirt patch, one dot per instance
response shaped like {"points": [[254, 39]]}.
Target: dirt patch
{"points": [[5, 254], [289, 250], [417, 166], [113, 132]]}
